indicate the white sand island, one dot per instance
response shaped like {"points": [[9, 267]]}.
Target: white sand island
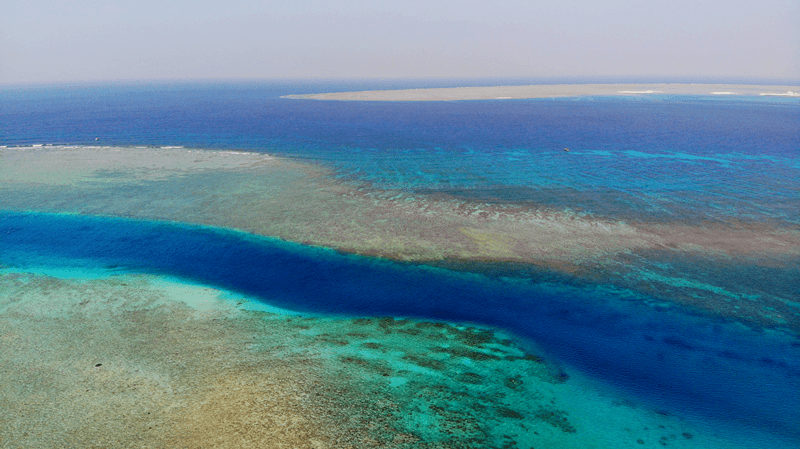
{"points": [[551, 91]]}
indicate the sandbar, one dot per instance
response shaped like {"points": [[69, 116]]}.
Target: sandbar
{"points": [[554, 91]]}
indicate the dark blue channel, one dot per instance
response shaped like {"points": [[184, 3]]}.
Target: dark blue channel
{"points": [[679, 361]]}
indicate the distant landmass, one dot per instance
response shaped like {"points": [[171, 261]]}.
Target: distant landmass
{"points": [[557, 90]]}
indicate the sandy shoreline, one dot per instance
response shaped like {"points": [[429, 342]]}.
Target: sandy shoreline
{"points": [[553, 91]]}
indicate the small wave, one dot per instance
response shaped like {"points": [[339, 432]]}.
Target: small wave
{"points": [[788, 93], [236, 152], [723, 93]]}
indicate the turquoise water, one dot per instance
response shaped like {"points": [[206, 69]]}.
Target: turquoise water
{"points": [[697, 365], [717, 163], [654, 158]]}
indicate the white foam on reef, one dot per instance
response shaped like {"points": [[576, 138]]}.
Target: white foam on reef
{"points": [[723, 93], [788, 93]]}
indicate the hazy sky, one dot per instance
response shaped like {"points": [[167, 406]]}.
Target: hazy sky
{"points": [[77, 40]]}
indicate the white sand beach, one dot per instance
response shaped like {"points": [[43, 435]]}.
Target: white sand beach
{"points": [[551, 91]]}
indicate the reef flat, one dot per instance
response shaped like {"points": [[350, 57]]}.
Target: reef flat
{"points": [[133, 360], [100, 356], [303, 203], [214, 264]]}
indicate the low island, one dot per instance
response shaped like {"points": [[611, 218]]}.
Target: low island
{"points": [[552, 91]]}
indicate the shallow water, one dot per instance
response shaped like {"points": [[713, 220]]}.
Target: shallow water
{"points": [[654, 158], [677, 361], [162, 362], [656, 257]]}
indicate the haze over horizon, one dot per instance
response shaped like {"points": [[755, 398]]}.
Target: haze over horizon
{"points": [[117, 40]]}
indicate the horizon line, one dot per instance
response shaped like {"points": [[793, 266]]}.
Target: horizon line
{"points": [[616, 79]]}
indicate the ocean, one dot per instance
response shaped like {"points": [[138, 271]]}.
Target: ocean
{"points": [[667, 267]]}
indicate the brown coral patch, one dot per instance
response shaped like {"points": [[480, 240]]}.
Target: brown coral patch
{"points": [[250, 409]]}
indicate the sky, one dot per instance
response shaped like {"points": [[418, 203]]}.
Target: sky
{"points": [[60, 41]]}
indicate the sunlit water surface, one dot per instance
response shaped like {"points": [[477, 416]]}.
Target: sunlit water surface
{"points": [[657, 160]]}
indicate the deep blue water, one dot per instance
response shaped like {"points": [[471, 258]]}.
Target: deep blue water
{"points": [[658, 159], [680, 362], [653, 158]]}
